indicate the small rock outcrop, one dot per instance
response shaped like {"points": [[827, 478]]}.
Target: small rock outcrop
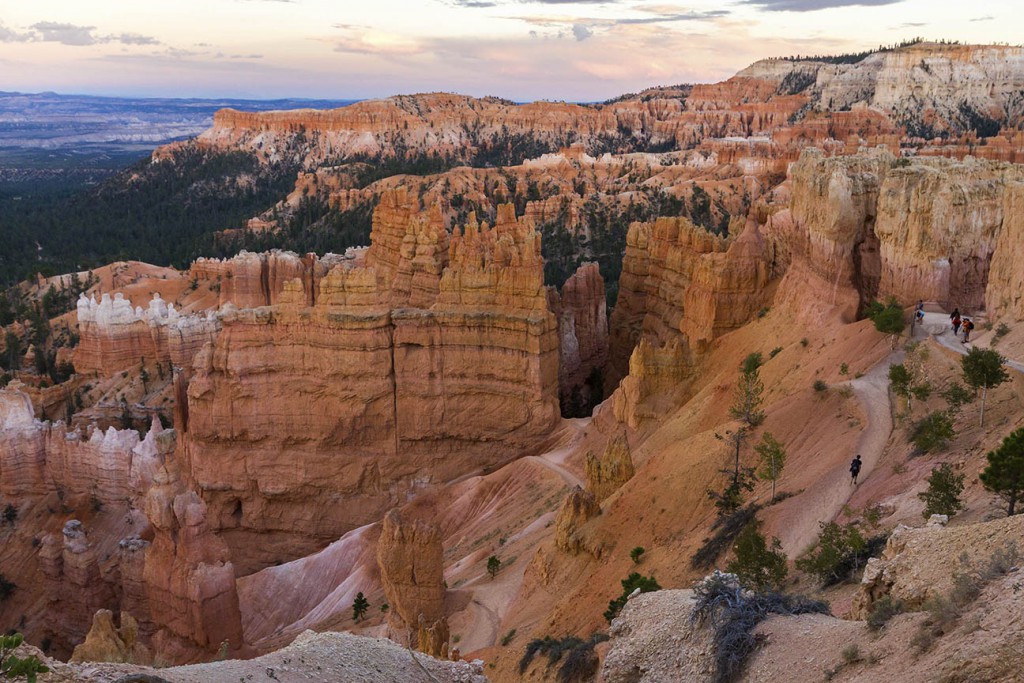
{"points": [[608, 472], [107, 642], [411, 563], [577, 508]]}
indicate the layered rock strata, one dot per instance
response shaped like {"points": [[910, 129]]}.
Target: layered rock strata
{"points": [[411, 563], [608, 472], [349, 405], [577, 509], [116, 337]]}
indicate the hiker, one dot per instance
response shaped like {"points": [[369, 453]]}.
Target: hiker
{"points": [[956, 324], [855, 469], [955, 314], [968, 326]]}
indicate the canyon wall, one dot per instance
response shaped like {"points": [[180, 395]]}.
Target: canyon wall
{"points": [[116, 337], [305, 421]]}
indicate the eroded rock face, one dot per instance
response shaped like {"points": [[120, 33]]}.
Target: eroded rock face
{"points": [[411, 562], [919, 563], [609, 471], [189, 578], [871, 226], [75, 586], [683, 285], [581, 308], [577, 508], [348, 406], [1004, 296], [116, 337]]}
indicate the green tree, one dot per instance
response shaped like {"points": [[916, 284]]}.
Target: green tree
{"points": [[943, 494], [983, 368], [636, 553], [143, 375], [888, 318], [646, 584], [838, 551], [359, 607], [757, 565], [493, 566], [933, 432], [1004, 475], [747, 400], [956, 396], [12, 346], [773, 459], [12, 667]]}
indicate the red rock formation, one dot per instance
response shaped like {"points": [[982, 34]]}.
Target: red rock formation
{"points": [[583, 329], [353, 400], [189, 578], [609, 471], [577, 508], [75, 587], [106, 642], [410, 558]]}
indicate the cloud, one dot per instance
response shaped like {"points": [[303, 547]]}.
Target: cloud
{"points": [[581, 32], [65, 34], [71, 34], [9, 36], [497, 3], [814, 5]]}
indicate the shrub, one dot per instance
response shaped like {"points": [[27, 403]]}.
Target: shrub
{"points": [[851, 654], [636, 553], [838, 552], [882, 611], [804, 342], [956, 396], [726, 528], [12, 667], [646, 584], [1001, 331], [10, 514], [751, 363], [844, 369], [888, 319], [943, 494], [757, 565], [734, 612], [580, 660], [359, 607], [507, 638], [7, 588], [493, 566], [819, 385], [933, 432], [774, 352]]}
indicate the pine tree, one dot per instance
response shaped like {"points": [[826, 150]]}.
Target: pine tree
{"points": [[773, 459], [1005, 472], [983, 369], [943, 494], [359, 607], [757, 565]]}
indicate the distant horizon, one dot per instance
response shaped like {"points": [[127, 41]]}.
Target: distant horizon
{"points": [[522, 50]]}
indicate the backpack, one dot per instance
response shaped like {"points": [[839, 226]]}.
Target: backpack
{"points": [[968, 325]]}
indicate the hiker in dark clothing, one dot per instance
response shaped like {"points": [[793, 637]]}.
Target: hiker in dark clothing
{"points": [[955, 314], [968, 326], [956, 325], [855, 469]]}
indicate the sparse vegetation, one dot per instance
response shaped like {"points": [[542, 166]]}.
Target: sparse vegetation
{"points": [[493, 566], [888, 318], [636, 554], [839, 551], [507, 638], [635, 580], [943, 494], [734, 611], [883, 609], [757, 565], [820, 386], [933, 432], [10, 514], [725, 530], [1004, 474], [1001, 331], [7, 588], [580, 660], [956, 396], [774, 352]]}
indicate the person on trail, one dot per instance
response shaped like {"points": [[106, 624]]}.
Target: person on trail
{"points": [[855, 469], [955, 315], [956, 324], [968, 326]]}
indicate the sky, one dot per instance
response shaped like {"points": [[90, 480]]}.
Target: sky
{"points": [[518, 49]]}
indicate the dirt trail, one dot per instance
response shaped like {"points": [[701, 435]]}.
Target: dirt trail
{"points": [[554, 460], [938, 327], [826, 500]]}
